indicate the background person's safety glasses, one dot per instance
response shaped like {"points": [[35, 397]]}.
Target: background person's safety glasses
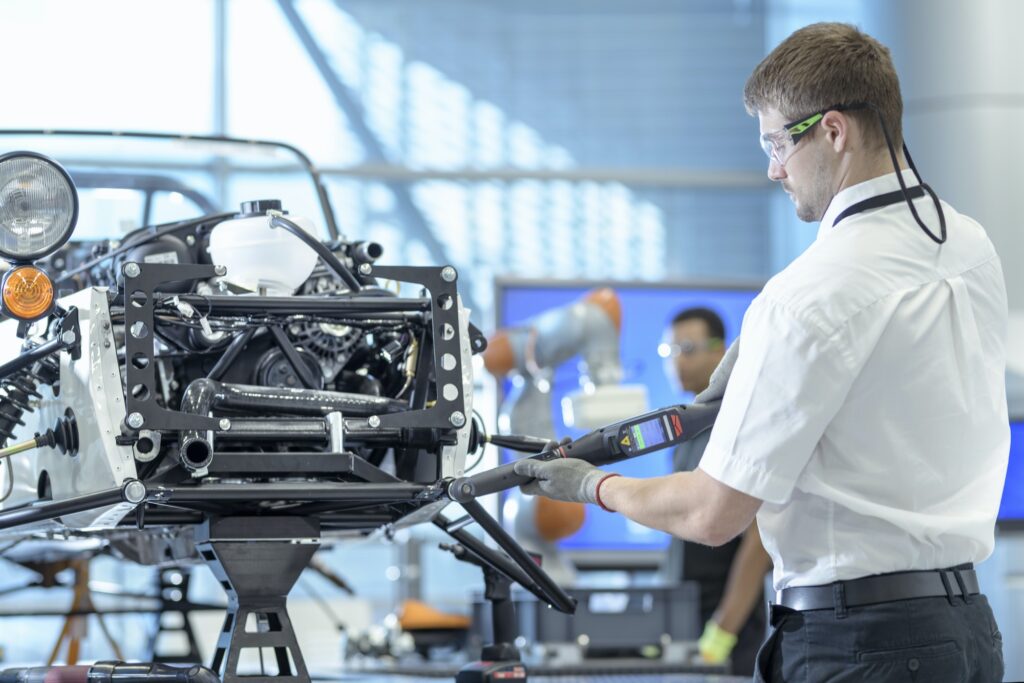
{"points": [[687, 347]]}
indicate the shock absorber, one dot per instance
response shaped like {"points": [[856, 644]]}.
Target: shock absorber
{"points": [[17, 391]]}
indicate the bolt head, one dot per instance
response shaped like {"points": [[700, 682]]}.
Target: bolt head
{"points": [[68, 337], [135, 420], [457, 419], [132, 269], [225, 424], [448, 274], [190, 240], [374, 421], [365, 269], [220, 270], [135, 492]]}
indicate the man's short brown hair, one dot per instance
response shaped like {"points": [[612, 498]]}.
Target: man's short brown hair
{"points": [[829, 64]]}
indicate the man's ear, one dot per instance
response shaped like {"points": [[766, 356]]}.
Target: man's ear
{"points": [[837, 128]]}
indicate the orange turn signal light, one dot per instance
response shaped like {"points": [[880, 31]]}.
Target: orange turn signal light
{"points": [[27, 293]]}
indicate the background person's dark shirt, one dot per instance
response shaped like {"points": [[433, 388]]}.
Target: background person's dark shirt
{"points": [[709, 567]]}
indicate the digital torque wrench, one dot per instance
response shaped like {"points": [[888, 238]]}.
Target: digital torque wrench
{"points": [[630, 438]]}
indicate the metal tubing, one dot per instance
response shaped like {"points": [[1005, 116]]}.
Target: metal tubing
{"points": [[308, 379], [230, 354], [499, 562], [552, 592], [42, 511], [304, 492], [27, 358], [273, 429]]}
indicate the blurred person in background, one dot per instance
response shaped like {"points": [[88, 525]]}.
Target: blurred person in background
{"points": [[731, 577]]}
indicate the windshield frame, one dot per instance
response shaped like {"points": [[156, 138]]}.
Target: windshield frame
{"points": [[305, 162]]}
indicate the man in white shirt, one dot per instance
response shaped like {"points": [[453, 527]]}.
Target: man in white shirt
{"points": [[864, 422]]}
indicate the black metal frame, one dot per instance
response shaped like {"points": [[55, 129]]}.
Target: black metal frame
{"points": [[141, 283]]}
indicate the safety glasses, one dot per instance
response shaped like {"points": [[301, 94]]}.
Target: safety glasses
{"points": [[780, 144], [687, 347]]}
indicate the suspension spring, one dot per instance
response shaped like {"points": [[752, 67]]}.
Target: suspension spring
{"points": [[17, 391]]}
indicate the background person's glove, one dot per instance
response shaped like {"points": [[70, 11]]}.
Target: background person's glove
{"points": [[569, 479], [715, 643], [720, 377]]}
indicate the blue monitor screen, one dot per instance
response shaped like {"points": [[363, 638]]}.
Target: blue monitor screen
{"points": [[1012, 506], [646, 314]]}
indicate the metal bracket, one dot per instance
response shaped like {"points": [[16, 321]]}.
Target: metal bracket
{"points": [[140, 284], [449, 411], [69, 324]]}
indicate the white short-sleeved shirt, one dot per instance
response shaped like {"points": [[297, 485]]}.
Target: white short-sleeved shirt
{"points": [[867, 407]]}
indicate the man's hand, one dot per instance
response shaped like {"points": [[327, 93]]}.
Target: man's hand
{"points": [[716, 643], [569, 479]]}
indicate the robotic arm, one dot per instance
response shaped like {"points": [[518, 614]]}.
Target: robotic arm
{"points": [[588, 328]]}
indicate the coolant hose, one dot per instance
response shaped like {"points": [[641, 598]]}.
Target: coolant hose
{"points": [[203, 395]]}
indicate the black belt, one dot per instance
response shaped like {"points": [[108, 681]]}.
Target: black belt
{"points": [[873, 590]]}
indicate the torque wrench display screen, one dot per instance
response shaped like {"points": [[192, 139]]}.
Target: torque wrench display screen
{"points": [[652, 432], [648, 434]]}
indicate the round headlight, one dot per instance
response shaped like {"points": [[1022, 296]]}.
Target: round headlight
{"points": [[38, 206]]}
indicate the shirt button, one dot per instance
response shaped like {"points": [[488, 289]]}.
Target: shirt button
{"points": [[913, 665]]}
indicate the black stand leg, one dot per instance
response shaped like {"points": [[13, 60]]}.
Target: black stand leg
{"points": [[172, 587], [257, 560], [498, 591], [500, 660]]}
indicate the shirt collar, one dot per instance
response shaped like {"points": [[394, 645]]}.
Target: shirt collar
{"points": [[859, 192]]}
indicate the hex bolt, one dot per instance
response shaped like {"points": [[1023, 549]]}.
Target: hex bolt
{"points": [[374, 421], [448, 274], [68, 337], [132, 269], [220, 270], [365, 269], [190, 240], [457, 419], [225, 424], [135, 420]]}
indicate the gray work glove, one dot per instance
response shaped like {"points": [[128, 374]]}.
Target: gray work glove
{"points": [[720, 377], [569, 479]]}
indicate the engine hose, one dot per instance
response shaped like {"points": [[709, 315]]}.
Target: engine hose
{"points": [[204, 395]]}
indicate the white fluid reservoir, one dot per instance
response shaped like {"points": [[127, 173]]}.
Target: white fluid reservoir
{"points": [[258, 256]]}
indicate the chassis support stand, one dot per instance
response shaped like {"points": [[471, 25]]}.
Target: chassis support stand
{"points": [[257, 560]]}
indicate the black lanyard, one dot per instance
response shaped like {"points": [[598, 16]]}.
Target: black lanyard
{"points": [[878, 202]]}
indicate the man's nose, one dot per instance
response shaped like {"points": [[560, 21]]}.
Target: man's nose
{"points": [[776, 171]]}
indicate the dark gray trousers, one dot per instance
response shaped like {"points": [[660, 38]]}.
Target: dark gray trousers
{"points": [[927, 639]]}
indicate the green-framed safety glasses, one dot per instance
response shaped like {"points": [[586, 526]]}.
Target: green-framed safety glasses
{"points": [[780, 144]]}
